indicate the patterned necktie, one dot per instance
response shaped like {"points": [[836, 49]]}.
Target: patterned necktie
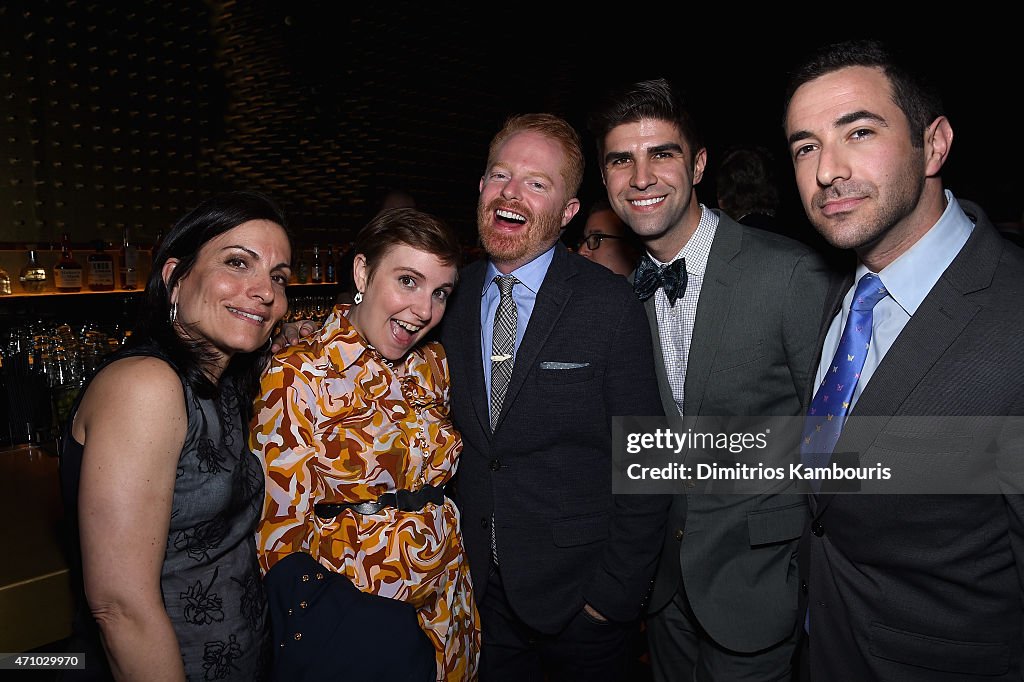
{"points": [[832, 400], [503, 342], [649, 276]]}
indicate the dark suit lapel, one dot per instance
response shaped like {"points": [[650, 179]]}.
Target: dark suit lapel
{"points": [[838, 286], [468, 324], [668, 403], [941, 318], [716, 292], [552, 298]]}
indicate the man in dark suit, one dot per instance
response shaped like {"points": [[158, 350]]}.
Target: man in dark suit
{"points": [[738, 340], [560, 565], [910, 587]]}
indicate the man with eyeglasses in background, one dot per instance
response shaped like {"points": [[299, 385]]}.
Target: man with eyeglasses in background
{"points": [[608, 241]]}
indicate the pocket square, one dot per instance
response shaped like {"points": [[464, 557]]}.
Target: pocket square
{"points": [[564, 365]]}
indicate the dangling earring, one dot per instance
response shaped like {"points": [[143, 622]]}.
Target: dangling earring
{"points": [[174, 312], [358, 298]]}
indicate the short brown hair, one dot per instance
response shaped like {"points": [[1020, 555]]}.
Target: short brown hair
{"points": [[554, 128], [656, 99], [412, 227]]}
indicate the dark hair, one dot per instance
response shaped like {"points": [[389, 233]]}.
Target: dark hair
{"points": [[745, 181], [211, 218], [599, 204], [912, 92], [409, 226], [554, 128], [656, 99]]}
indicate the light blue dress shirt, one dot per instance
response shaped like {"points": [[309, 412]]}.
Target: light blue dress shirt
{"points": [[530, 277], [908, 279]]}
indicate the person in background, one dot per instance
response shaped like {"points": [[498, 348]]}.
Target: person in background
{"points": [[608, 241], [734, 321], [746, 188], [353, 429], [910, 587], [163, 492], [396, 198]]}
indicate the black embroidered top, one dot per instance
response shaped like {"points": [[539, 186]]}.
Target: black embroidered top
{"points": [[211, 584]]}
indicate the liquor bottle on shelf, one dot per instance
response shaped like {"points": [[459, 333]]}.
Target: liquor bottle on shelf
{"points": [[67, 273], [129, 262], [5, 282], [316, 272], [331, 271], [33, 275], [302, 269], [101, 269]]}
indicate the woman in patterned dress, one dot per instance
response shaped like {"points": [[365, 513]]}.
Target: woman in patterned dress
{"points": [[155, 460], [358, 410]]}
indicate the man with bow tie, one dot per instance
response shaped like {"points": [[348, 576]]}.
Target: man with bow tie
{"points": [[734, 314]]}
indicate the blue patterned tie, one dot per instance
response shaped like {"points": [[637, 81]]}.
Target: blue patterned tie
{"points": [[831, 402]]}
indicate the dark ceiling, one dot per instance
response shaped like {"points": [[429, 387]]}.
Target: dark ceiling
{"points": [[436, 84], [129, 111]]}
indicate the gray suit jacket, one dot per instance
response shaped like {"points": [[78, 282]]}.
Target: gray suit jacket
{"points": [[927, 587], [545, 473], [752, 354]]}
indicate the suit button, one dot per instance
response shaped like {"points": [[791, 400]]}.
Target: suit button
{"points": [[817, 528], [803, 586], [495, 464], [680, 534], [484, 522]]}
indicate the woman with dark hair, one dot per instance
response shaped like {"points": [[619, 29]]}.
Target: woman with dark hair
{"points": [[356, 441], [163, 493]]}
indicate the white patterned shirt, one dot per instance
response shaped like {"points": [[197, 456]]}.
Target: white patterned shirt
{"points": [[675, 323]]}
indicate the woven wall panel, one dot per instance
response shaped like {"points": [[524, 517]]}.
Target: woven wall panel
{"points": [[126, 112]]}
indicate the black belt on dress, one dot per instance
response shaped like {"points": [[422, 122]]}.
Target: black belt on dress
{"points": [[403, 500]]}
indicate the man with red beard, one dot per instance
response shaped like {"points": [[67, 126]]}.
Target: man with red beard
{"points": [[561, 566]]}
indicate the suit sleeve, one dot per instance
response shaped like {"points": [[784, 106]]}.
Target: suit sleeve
{"points": [[621, 584], [282, 437], [802, 320]]}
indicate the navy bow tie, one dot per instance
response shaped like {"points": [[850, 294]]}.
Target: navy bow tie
{"points": [[649, 277]]}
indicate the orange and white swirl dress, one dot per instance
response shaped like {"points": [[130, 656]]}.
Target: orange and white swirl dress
{"points": [[335, 423]]}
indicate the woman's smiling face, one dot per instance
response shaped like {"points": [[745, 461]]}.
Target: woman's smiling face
{"points": [[404, 297], [234, 295]]}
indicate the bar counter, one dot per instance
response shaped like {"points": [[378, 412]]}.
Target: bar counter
{"points": [[35, 588]]}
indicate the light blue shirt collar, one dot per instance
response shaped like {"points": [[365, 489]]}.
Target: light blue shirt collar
{"points": [[910, 277], [530, 275], [525, 296]]}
